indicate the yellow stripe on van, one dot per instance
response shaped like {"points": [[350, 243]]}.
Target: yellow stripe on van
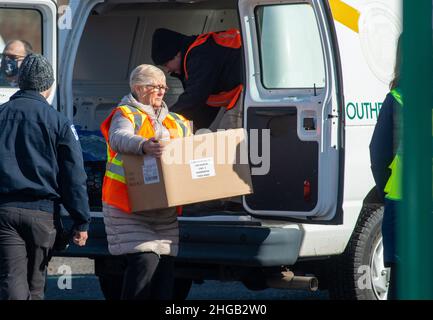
{"points": [[345, 14]]}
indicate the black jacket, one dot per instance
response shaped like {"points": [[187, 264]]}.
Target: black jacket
{"points": [[211, 69], [41, 164], [384, 143]]}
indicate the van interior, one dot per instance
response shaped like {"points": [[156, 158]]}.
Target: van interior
{"points": [[117, 37]]}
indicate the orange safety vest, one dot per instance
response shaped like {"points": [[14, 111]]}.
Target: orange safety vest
{"points": [[114, 187], [230, 39]]}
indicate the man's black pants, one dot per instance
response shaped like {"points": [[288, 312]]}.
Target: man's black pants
{"points": [[148, 277], [26, 240]]}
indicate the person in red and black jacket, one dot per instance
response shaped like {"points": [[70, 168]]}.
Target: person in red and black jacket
{"points": [[209, 66]]}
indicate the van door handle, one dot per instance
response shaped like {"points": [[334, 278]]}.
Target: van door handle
{"points": [[309, 124]]}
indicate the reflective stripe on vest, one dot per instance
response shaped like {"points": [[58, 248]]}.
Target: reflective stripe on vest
{"points": [[225, 99], [186, 130], [115, 169], [393, 185], [134, 115], [230, 39], [114, 189], [397, 96]]}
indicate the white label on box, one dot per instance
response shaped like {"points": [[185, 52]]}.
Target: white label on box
{"points": [[150, 171], [202, 168]]}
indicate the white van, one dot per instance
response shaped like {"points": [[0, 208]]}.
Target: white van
{"points": [[315, 73]]}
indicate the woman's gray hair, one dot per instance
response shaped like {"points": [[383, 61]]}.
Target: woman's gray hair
{"points": [[145, 74]]}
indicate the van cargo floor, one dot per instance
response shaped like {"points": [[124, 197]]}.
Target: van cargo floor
{"points": [[216, 207]]}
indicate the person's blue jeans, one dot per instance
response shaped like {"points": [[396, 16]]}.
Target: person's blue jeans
{"points": [[389, 227]]}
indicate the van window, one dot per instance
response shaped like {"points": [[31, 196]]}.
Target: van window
{"points": [[17, 24], [290, 47]]}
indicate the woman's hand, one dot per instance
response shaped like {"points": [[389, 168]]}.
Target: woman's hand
{"points": [[152, 147], [80, 238]]}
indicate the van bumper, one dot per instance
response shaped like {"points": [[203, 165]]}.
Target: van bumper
{"points": [[212, 243], [254, 246]]}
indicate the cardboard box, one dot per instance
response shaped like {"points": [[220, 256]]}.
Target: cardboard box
{"points": [[193, 169]]}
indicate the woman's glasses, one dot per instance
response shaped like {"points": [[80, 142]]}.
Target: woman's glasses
{"points": [[157, 87]]}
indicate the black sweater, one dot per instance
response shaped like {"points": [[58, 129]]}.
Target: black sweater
{"points": [[211, 69], [41, 161]]}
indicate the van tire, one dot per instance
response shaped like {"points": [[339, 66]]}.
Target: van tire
{"points": [[342, 270]]}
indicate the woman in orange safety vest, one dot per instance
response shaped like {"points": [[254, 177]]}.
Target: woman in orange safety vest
{"points": [[148, 240]]}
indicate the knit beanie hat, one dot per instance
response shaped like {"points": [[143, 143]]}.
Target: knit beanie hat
{"points": [[165, 45], [36, 73]]}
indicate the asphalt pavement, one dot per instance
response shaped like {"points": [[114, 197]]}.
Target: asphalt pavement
{"points": [[74, 279]]}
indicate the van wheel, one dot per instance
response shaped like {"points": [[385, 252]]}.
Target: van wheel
{"points": [[359, 273]]}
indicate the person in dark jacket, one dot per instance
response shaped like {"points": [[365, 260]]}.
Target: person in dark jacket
{"points": [[206, 70], [384, 146], [41, 168]]}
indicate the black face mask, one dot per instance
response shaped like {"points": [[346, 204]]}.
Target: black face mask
{"points": [[9, 67]]}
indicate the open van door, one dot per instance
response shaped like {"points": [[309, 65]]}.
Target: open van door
{"points": [[34, 21], [293, 109]]}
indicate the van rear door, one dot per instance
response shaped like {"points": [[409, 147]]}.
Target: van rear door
{"points": [[292, 109], [34, 21]]}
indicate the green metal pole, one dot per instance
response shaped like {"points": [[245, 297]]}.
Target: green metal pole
{"points": [[415, 218]]}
